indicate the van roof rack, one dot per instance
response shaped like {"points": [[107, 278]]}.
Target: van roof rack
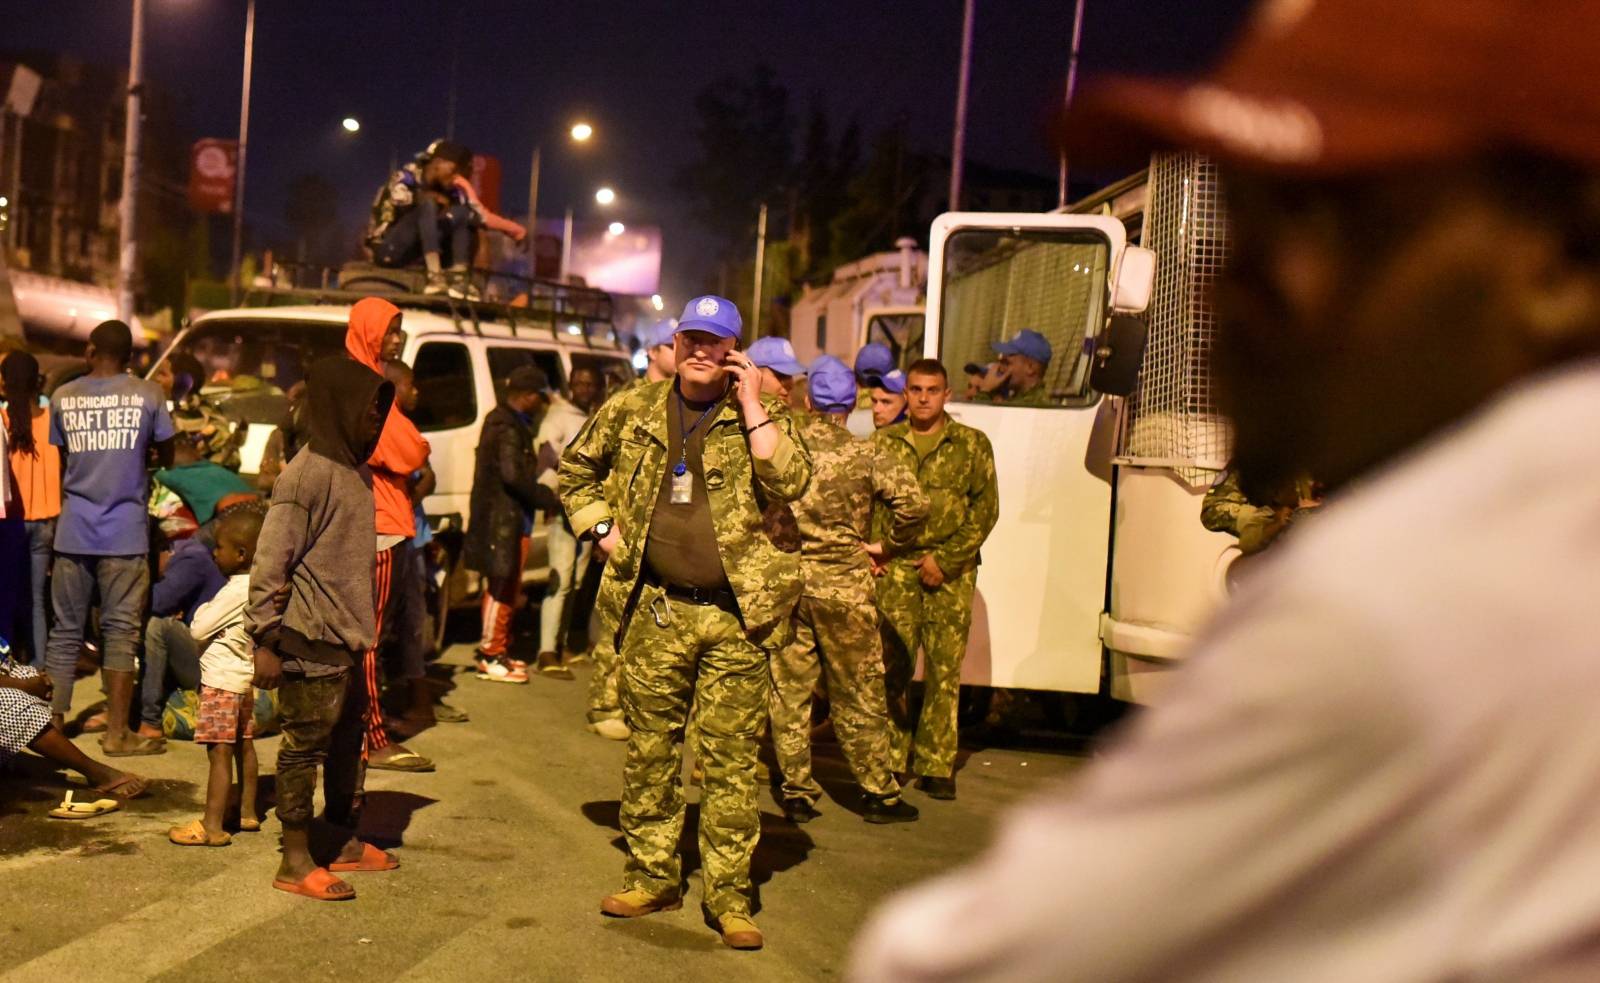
{"points": [[543, 307]]}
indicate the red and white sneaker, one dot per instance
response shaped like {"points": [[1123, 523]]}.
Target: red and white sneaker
{"points": [[500, 671]]}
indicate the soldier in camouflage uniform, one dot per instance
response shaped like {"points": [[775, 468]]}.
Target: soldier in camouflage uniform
{"points": [[705, 594], [605, 701], [1228, 509], [926, 595], [836, 623]]}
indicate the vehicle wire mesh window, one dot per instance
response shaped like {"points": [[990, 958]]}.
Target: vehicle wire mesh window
{"points": [[503, 359], [445, 391], [997, 283]]}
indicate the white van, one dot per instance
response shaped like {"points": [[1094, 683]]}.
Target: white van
{"points": [[1099, 570], [460, 354]]}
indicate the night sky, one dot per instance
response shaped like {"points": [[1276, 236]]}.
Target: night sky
{"points": [[632, 67]]}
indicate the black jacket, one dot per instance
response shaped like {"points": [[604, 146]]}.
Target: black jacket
{"points": [[504, 494]]}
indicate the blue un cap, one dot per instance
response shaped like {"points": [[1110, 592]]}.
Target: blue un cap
{"points": [[894, 382], [872, 361], [1028, 343], [716, 315], [660, 333], [832, 385], [775, 354]]}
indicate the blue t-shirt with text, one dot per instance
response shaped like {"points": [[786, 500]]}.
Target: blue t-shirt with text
{"points": [[105, 426]]}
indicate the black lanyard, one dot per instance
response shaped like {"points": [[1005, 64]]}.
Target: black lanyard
{"points": [[682, 467]]}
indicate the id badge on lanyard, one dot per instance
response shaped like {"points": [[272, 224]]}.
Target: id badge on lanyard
{"points": [[682, 484]]}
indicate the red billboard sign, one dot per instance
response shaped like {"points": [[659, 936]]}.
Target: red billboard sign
{"points": [[212, 166]]}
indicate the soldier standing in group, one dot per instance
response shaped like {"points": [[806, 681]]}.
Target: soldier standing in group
{"points": [[836, 624], [926, 594], [705, 594], [605, 702]]}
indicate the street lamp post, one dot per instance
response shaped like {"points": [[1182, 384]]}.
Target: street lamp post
{"points": [[128, 207], [244, 136], [602, 196], [581, 132], [958, 141]]}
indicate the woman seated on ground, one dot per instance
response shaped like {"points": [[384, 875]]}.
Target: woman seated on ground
{"points": [[25, 723]]}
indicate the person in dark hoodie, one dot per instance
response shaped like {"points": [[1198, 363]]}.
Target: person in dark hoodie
{"points": [[311, 618]]}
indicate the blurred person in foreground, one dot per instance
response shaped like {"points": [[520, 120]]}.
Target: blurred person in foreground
{"points": [[1382, 761]]}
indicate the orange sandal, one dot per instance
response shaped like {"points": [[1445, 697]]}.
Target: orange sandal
{"points": [[317, 885], [372, 859], [194, 834]]}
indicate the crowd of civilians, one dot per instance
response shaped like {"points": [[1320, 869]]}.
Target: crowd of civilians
{"points": [[127, 535]]}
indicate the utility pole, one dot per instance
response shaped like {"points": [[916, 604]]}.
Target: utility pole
{"points": [[128, 207], [566, 244], [1072, 86], [761, 263], [533, 211], [244, 140], [959, 141]]}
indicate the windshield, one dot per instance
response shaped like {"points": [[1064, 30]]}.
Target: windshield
{"points": [[275, 352]]}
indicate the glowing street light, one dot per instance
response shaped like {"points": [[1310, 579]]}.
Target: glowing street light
{"points": [[605, 196], [657, 302], [616, 228], [350, 124], [581, 132]]}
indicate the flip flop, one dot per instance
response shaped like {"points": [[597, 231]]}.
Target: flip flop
{"points": [[194, 834], [69, 809], [94, 725], [249, 825], [404, 761], [126, 787], [315, 886], [372, 859], [140, 746]]}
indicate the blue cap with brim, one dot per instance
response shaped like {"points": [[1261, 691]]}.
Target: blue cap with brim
{"points": [[775, 354], [894, 382], [712, 314], [832, 385], [1028, 343], [661, 333], [873, 360]]}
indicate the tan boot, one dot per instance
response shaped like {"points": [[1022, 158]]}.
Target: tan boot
{"points": [[550, 667], [636, 902], [739, 931]]}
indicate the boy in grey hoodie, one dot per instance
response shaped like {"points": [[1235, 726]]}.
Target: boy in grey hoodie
{"points": [[311, 616]]}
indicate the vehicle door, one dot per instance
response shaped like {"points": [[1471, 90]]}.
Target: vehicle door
{"points": [[1042, 578]]}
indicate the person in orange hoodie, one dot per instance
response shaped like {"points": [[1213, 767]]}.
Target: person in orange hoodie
{"points": [[375, 337]]}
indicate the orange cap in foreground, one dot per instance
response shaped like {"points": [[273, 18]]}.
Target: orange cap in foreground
{"points": [[1347, 85]]}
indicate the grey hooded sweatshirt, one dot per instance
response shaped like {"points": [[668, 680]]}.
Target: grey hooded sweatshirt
{"points": [[319, 533]]}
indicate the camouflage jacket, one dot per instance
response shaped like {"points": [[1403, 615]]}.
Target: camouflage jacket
{"points": [[834, 516], [1228, 509], [623, 450], [963, 496]]}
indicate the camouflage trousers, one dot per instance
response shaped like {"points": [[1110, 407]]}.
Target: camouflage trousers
{"points": [[936, 622], [676, 653], [323, 725], [843, 638], [604, 699]]}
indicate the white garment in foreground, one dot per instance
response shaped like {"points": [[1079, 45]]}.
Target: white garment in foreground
{"points": [[1382, 762], [226, 657]]}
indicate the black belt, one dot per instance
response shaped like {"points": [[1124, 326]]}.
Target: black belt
{"points": [[722, 597]]}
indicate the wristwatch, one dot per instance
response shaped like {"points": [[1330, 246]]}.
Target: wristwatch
{"points": [[600, 530]]}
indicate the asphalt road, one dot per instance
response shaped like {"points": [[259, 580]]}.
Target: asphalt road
{"points": [[506, 851]]}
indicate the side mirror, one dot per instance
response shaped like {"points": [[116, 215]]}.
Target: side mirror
{"points": [[1118, 353], [1135, 282]]}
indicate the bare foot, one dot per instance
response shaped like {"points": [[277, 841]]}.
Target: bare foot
{"points": [[129, 743]]}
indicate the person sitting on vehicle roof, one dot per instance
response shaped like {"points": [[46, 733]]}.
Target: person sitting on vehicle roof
{"points": [[429, 208]]}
